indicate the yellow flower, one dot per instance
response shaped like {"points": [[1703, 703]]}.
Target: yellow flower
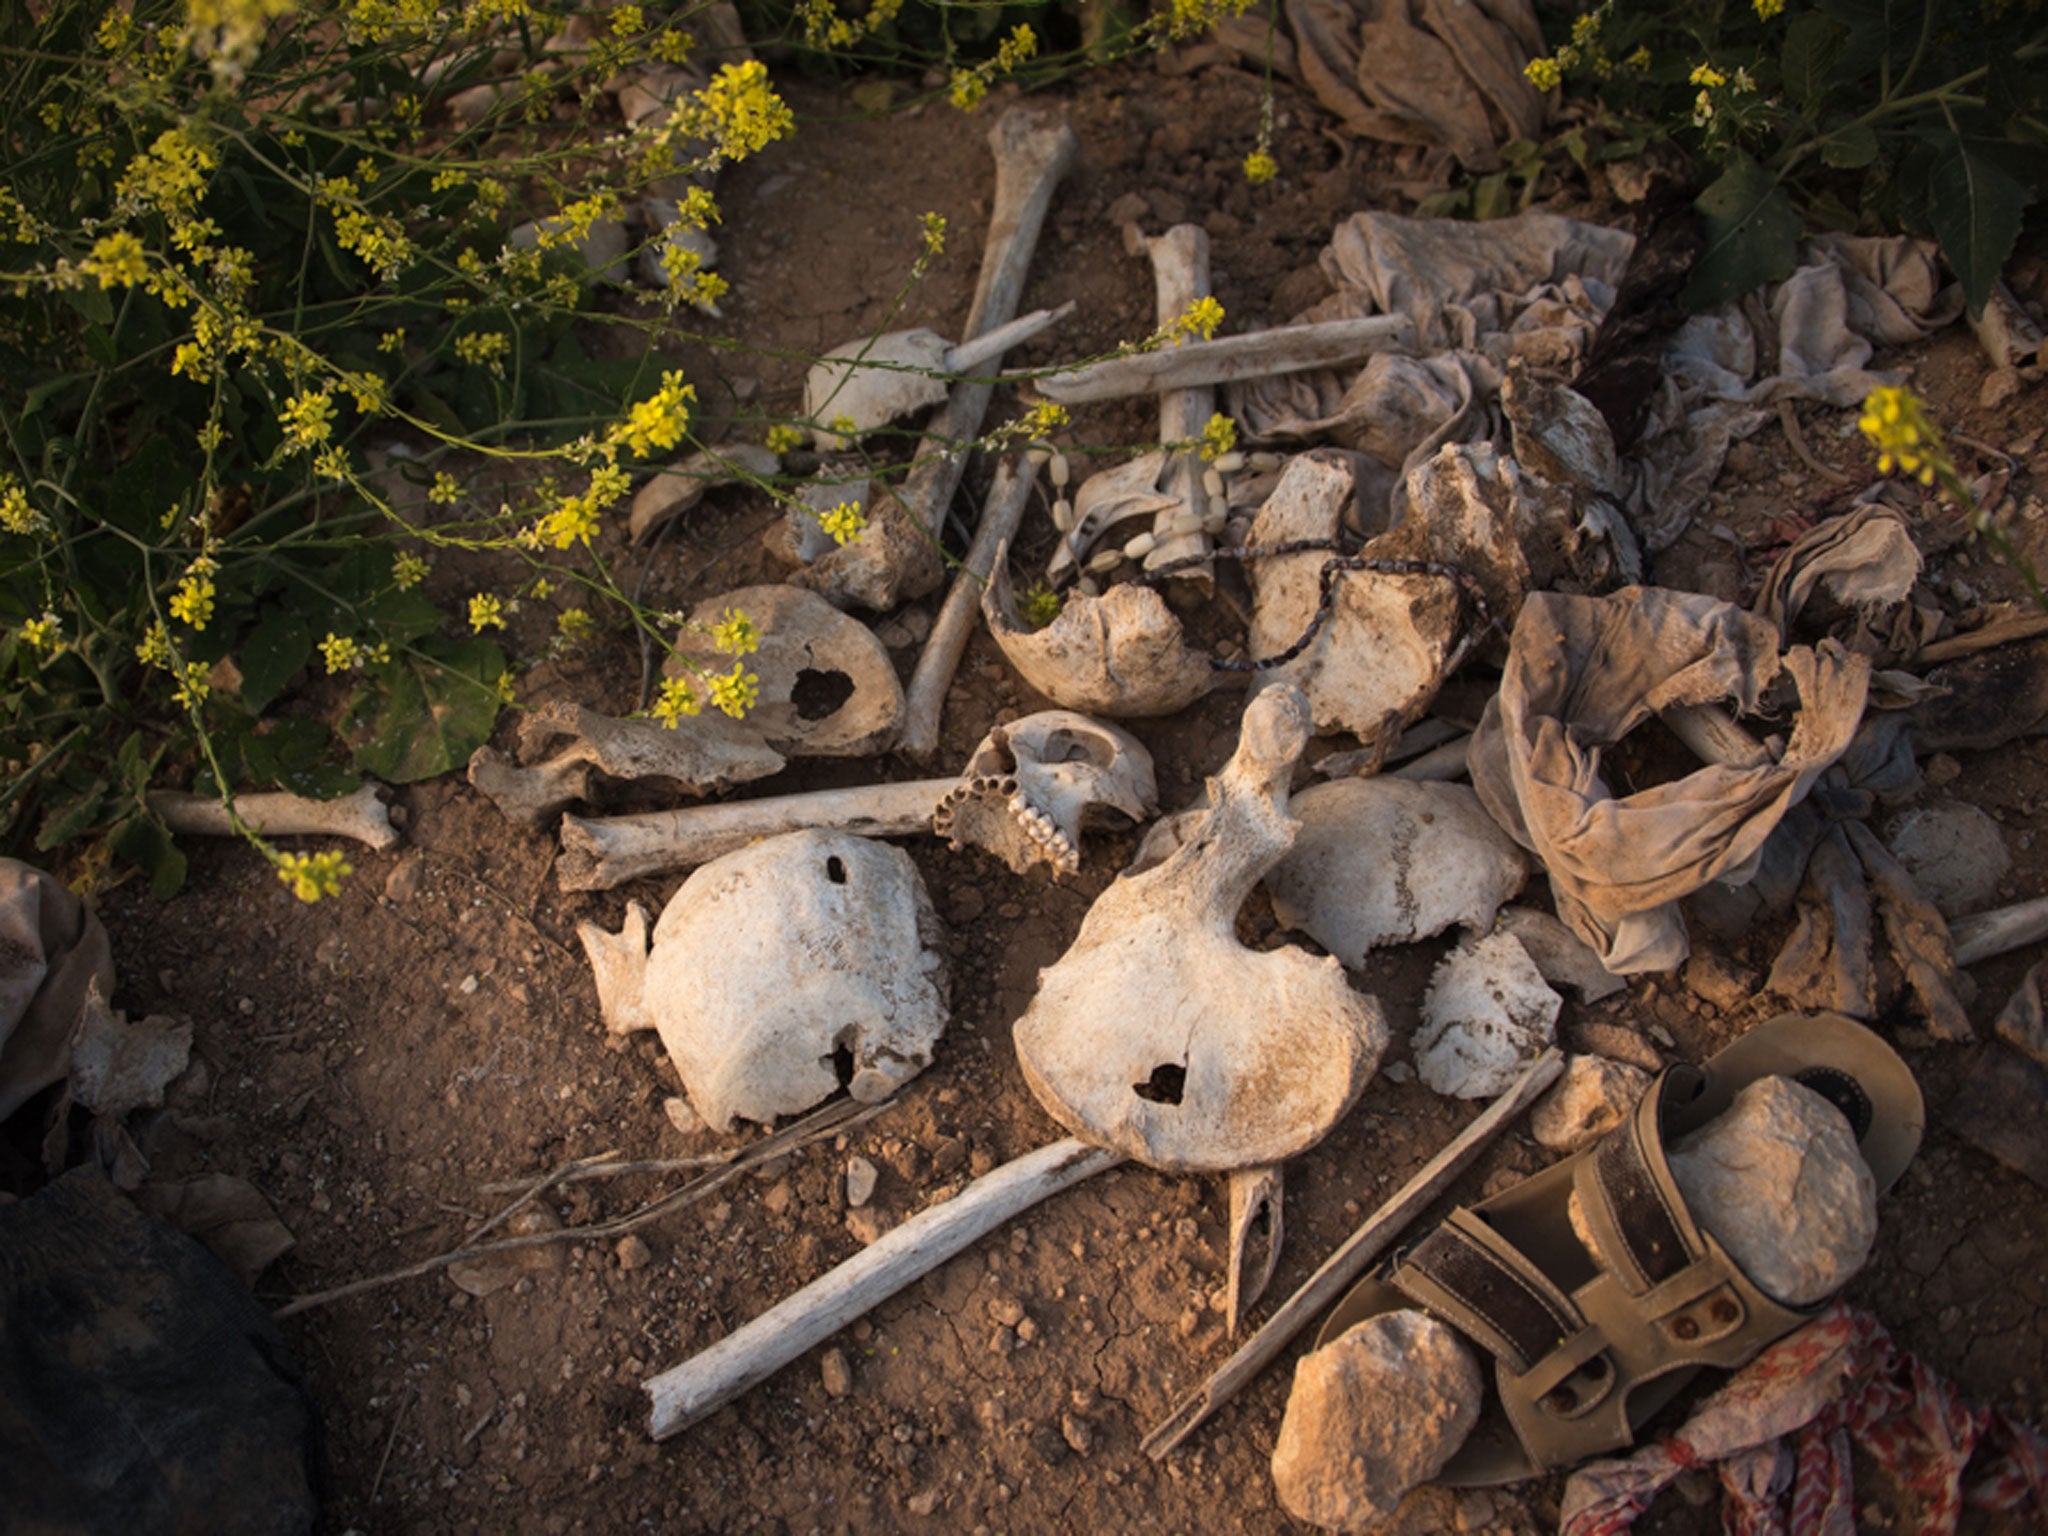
{"points": [[661, 421], [1769, 10], [783, 438], [43, 634], [484, 349], [313, 875], [968, 90], [740, 112], [155, 649], [445, 491], [1709, 77], [934, 225], [1544, 74], [1895, 421], [1044, 419], [736, 692], [1260, 168], [1020, 45], [408, 570], [576, 625], [17, 514], [675, 701], [340, 652], [627, 20], [116, 260], [486, 612], [844, 522], [193, 686], [307, 419], [332, 464], [1219, 436], [1199, 319], [736, 636], [1639, 60], [193, 601]]}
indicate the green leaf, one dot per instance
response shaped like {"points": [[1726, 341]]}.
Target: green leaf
{"points": [[1975, 210], [1812, 44], [1850, 147], [1492, 198], [273, 651], [426, 711], [145, 842], [71, 818], [1751, 235]]}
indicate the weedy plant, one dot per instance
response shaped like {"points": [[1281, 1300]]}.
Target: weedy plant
{"points": [[1926, 115]]}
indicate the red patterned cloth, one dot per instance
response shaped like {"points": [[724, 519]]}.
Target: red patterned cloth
{"points": [[1778, 1435]]}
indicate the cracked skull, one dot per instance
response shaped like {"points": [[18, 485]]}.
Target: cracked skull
{"points": [[1034, 785]]}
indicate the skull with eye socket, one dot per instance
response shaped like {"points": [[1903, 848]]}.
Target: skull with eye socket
{"points": [[1033, 786]]}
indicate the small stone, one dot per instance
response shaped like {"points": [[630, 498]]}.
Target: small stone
{"points": [[1127, 209], [1372, 1415], [1778, 1180], [922, 1504], [1592, 1097], [633, 1252], [1999, 386], [407, 876], [866, 1225], [778, 1199], [1027, 1331], [1006, 1309], [1488, 1011], [1713, 977], [860, 1181], [681, 1115], [835, 1373], [1078, 1433], [1955, 854], [968, 903], [1616, 1042]]}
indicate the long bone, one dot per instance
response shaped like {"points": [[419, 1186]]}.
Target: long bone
{"points": [[926, 695], [360, 815], [1180, 276], [896, 562], [1225, 360]]}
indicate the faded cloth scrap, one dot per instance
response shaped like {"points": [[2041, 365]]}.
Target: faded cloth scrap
{"points": [[1582, 672], [53, 953], [1783, 1427]]}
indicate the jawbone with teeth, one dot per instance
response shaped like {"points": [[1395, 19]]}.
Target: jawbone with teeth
{"points": [[1034, 785]]}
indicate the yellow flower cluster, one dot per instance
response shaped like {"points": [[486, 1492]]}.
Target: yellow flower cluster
{"points": [[970, 86], [17, 513], [309, 876], [192, 603], [1186, 18], [1219, 436], [408, 570], [576, 625], [575, 518], [484, 349], [659, 421], [307, 419], [1199, 319], [1770, 10], [117, 260], [737, 691], [735, 634], [1260, 167], [1895, 421], [341, 653], [738, 112], [844, 522], [486, 612], [784, 438], [43, 634], [824, 27], [934, 227], [675, 700]]}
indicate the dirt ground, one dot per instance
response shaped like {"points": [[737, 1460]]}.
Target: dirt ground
{"points": [[373, 1062]]}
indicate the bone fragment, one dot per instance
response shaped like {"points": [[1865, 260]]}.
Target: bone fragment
{"points": [[1441, 763], [1344, 1266], [1032, 153], [926, 696], [2000, 931], [1255, 1196], [686, 1393], [1714, 736], [1226, 360], [1180, 276], [360, 815], [967, 356], [600, 852]]}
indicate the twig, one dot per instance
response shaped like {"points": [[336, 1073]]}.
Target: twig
{"points": [[842, 1115], [1789, 420], [1349, 1261], [533, 1189], [390, 1440], [596, 1168]]}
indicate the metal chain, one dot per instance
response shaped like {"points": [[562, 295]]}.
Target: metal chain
{"points": [[1338, 565]]}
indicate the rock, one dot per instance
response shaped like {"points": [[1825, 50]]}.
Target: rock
{"points": [[835, 1373], [603, 248], [1617, 1042], [1565, 959], [1078, 1433], [681, 1115], [633, 1253], [1488, 1011], [1372, 1415], [1714, 978], [1955, 854], [1778, 1181], [406, 878], [922, 1504], [1592, 1097], [866, 1224], [860, 1181], [1386, 861], [482, 1277]]}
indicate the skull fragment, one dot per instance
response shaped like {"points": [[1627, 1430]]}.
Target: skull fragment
{"points": [[1034, 785]]}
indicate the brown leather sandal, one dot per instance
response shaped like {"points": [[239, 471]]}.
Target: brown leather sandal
{"points": [[1588, 1344]]}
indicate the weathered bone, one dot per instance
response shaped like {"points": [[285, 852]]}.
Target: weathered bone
{"points": [[1157, 1033], [1033, 785], [894, 560], [702, 753], [359, 815], [1106, 500], [2000, 931], [599, 852], [1255, 1197], [881, 379], [1180, 276], [680, 486], [1226, 360], [687, 1393], [926, 695], [1122, 654]]}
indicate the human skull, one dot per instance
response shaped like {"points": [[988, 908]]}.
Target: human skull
{"points": [[780, 971], [1034, 785]]}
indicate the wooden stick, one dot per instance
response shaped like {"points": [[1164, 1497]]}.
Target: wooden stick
{"points": [[1343, 1267], [751, 1354], [924, 699], [1254, 355]]}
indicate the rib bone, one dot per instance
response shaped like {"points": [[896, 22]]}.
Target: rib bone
{"points": [[360, 815], [1226, 360]]}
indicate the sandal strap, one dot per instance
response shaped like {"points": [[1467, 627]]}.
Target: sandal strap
{"points": [[1641, 1231], [1469, 1275]]}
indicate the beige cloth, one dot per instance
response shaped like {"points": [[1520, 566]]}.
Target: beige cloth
{"points": [[53, 956], [1582, 673]]}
